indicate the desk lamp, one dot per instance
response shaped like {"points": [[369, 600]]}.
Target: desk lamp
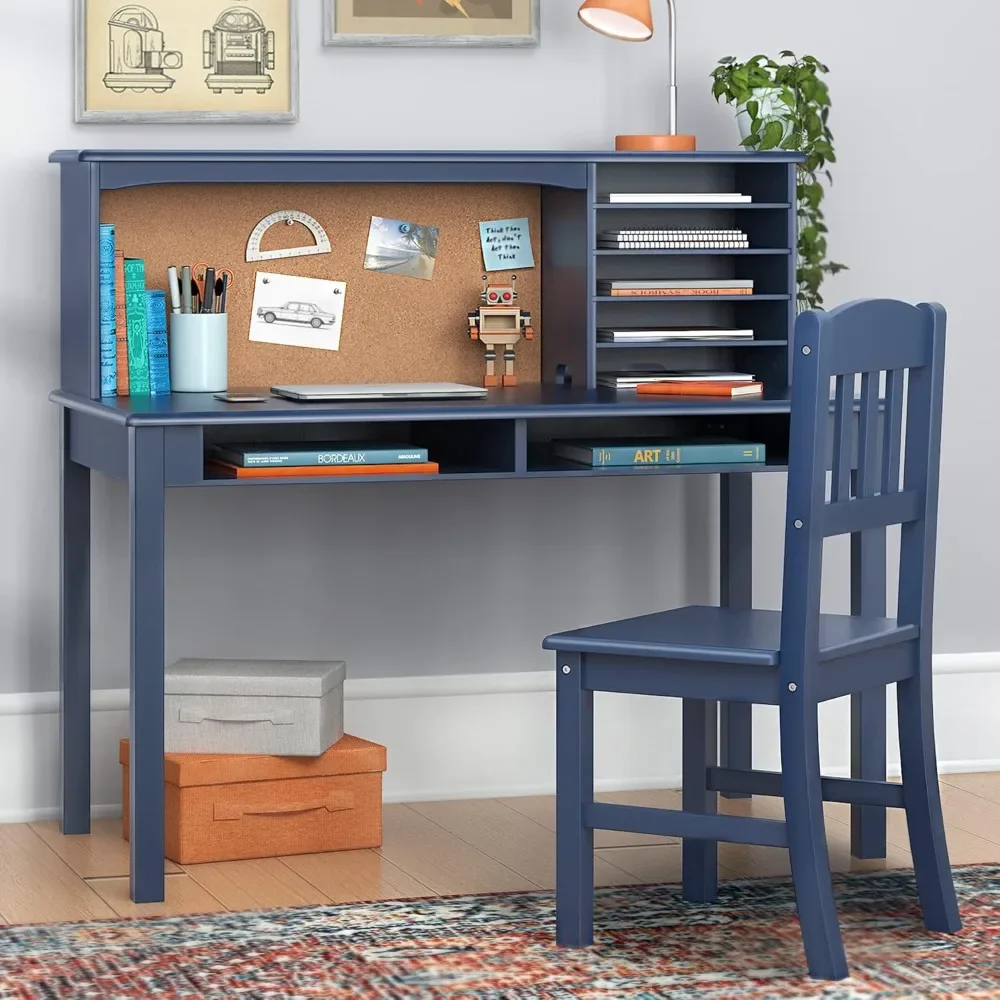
{"points": [[632, 21]]}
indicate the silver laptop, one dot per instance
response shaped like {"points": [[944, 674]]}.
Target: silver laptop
{"points": [[386, 390]]}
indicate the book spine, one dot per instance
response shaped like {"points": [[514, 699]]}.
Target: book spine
{"points": [[400, 469], [300, 459], [705, 454], [674, 245], [135, 312], [121, 326], [156, 337], [649, 292], [109, 373]]}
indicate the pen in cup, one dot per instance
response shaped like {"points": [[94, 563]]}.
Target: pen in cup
{"points": [[186, 285], [206, 305], [175, 290]]}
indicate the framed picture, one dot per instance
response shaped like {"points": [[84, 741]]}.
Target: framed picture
{"points": [[431, 22], [187, 61]]}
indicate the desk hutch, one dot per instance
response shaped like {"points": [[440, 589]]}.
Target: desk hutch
{"points": [[159, 442]]}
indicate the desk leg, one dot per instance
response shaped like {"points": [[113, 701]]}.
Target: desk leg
{"points": [[868, 726], [736, 591], [146, 569], [74, 639]]}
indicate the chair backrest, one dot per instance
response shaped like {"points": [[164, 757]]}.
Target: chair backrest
{"points": [[864, 338]]}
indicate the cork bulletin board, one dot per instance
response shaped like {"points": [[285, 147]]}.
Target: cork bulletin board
{"points": [[395, 328]]}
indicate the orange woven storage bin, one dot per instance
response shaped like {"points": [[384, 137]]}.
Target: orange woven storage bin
{"points": [[222, 807]]}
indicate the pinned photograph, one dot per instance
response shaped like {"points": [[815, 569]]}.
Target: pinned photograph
{"points": [[297, 312], [398, 247]]}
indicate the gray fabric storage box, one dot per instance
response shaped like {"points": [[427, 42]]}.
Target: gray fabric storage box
{"points": [[287, 708]]}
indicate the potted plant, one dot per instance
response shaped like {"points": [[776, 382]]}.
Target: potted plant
{"points": [[786, 105]]}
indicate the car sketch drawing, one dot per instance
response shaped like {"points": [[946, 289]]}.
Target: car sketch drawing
{"points": [[297, 312]]}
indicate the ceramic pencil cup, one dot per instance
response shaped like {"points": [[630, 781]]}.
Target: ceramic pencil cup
{"points": [[199, 352]]}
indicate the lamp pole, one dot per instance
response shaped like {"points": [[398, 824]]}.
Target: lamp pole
{"points": [[672, 35]]}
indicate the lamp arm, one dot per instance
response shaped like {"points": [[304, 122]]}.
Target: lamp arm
{"points": [[672, 35]]}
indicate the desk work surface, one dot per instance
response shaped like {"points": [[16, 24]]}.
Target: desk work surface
{"points": [[519, 402]]}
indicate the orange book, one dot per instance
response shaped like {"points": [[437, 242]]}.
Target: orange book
{"points": [[121, 325], [223, 470], [729, 389]]}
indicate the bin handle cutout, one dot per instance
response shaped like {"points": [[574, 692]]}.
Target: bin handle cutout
{"points": [[336, 802], [198, 716]]}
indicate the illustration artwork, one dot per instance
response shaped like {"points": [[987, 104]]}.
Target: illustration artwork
{"points": [[434, 8], [137, 54], [398, 247], [499, 322], [239, 50], [432, 22], [296, 311]]}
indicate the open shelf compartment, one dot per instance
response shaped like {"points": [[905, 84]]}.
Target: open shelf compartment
{"points": [[462, 448]]}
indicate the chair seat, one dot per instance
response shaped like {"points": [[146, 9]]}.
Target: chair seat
{"points": [[722, 635]]}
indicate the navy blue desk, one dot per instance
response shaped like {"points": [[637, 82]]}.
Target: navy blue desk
{"points": [[159, 443]]}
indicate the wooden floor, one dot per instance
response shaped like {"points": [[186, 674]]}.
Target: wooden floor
{"points": [[433, 848]]}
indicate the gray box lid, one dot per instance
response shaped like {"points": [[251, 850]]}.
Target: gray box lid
{"points": [[266, 678]]}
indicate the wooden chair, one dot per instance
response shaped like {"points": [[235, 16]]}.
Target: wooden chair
{"points": [[795, 658]]}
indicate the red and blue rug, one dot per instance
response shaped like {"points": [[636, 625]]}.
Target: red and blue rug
{"points": [[649, 944]]}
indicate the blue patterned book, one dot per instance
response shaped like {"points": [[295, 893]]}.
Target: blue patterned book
{"points": [[156, 336], [109, 364], [135, 316]]}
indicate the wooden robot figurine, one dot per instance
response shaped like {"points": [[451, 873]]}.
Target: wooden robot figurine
{"points": [[499, 321]]}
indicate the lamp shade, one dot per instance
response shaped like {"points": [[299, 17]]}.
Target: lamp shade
{"points": [[627, 20]]}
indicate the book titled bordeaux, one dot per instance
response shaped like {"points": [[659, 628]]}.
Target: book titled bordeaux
{"points": [[704, 451], [276, 456]]}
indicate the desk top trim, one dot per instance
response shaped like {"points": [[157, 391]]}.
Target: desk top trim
{"points": [[404, 156]]}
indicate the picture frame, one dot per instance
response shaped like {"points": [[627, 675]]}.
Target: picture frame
{"points": [[342, 25], [167, 61]]}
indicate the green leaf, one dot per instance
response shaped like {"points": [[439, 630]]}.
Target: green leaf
{"points": [[787, 54], [772, 135], [727, 60], [718, 89], [753, 109], [751, 140]]}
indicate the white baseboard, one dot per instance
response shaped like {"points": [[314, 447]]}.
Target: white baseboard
{"points": [[492, 735]]}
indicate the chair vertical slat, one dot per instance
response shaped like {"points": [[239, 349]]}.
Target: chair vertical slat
{"points": [[868, 480], [843, 426], [892, 430]]}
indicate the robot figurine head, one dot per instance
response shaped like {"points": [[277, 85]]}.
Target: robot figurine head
{"points": [[499, 295]]}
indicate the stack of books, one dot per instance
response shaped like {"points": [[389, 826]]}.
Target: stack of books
{"points": [[134, 357], [684, 286], [646, 335], [655, 380], [312, 458], [645, 453], [673, 239], [678, 198]]}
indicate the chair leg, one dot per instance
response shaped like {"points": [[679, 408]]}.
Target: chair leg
{"points": [[806, 834], [574, 789], [699, 858], [922, 799]]}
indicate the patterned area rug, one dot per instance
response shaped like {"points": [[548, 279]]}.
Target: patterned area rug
{"points": [[649, 944]]}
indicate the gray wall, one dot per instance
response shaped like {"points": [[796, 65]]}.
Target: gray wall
{"points": [[422, 578]]}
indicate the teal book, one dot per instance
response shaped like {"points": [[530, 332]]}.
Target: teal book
{"points": [[275, 456], [706, 451], [135, 321], [156, 337], [109, 364]]}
